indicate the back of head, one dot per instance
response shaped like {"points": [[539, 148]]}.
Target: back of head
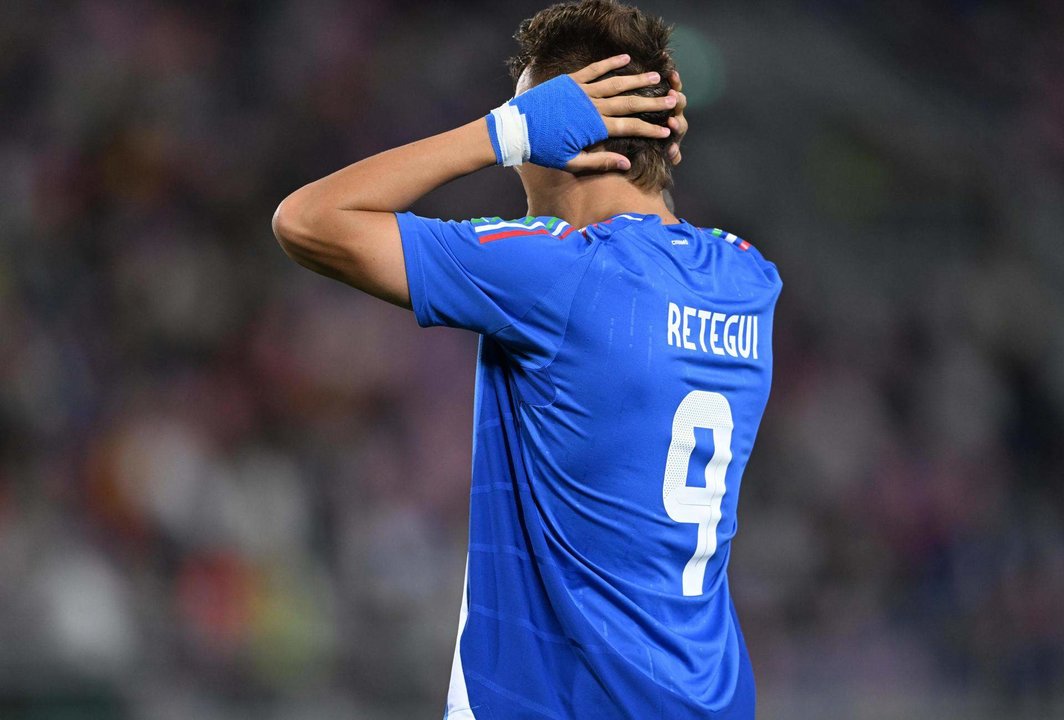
{"points": [[568, 36]]}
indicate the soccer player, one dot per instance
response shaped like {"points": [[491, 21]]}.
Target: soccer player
{"points": [[624, 366]]}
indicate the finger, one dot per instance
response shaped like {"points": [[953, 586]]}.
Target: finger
{"points": [[598, 162], [634, 127], [674, 81], [674, 154], [681, 101], [621, 84], [678, 125], [598, 69], [632, 104]]}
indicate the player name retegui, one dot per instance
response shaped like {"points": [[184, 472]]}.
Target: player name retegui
{"points": [[721, 334]]}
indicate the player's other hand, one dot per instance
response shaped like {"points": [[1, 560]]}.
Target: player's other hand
{"points": [[615, 107], [677, 122]]}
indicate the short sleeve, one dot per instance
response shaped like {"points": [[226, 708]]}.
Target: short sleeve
{"points": [[484, 274]]}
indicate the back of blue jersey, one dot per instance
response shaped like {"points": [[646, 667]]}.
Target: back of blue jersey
{"points": [[623, 372]]}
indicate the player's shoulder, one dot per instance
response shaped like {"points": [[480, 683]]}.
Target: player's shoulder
{"points": [[731, 238], [544, 228], [745, 252]]}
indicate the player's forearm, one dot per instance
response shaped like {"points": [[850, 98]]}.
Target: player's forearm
{"points": [[390, 181], [394, 179]]}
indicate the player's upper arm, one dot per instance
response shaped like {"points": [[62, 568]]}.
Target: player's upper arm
{"points": [[360, 248], [486, 274]]}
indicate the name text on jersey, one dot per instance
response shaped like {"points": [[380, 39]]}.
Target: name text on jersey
{"points": [[721, 334]]}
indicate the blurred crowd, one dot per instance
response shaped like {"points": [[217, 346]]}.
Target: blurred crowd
{"points": [[228, 486]]}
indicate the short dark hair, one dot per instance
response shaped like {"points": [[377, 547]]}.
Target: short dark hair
{"points": [[565, 37]]}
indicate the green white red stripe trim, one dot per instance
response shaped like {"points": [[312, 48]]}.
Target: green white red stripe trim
{"points": [[489, 229], [733, 239]]}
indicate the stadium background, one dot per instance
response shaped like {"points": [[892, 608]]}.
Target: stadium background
{"points": [[230, 488]]}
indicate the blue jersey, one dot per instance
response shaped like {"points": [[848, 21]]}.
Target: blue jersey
{"points": [[623, 371]]}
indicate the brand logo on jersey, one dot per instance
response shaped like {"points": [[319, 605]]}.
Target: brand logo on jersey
{"points": [[713, 332], [681, 242]]}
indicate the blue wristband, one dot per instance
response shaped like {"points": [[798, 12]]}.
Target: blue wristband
{"points": [[549, 124]]}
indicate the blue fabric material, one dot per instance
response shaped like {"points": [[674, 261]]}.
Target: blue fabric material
{"points": [[561, 119], [575, 598]]}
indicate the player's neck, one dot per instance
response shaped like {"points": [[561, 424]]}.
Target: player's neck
{"points": [[581, 201]]}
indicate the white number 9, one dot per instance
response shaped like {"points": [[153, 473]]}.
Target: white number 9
{"points": [[694, 504]]}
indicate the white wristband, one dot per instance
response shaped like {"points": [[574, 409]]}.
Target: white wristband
{"points": [[511, 128]]}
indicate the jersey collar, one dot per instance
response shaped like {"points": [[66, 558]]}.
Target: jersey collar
{"points": [[627, 217]]}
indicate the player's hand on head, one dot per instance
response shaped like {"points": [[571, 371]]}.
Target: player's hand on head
{"points": [[552, 124], [616, 109]]}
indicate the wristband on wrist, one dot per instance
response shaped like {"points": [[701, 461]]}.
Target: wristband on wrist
{"points": [[548, 125], [508, 129]]}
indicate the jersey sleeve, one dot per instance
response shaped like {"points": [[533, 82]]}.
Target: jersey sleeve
{"points": [[484, 274]]}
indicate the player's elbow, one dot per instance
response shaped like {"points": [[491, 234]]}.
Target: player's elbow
{"points": [[294, 226], [318, 236], [285, 224]]}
